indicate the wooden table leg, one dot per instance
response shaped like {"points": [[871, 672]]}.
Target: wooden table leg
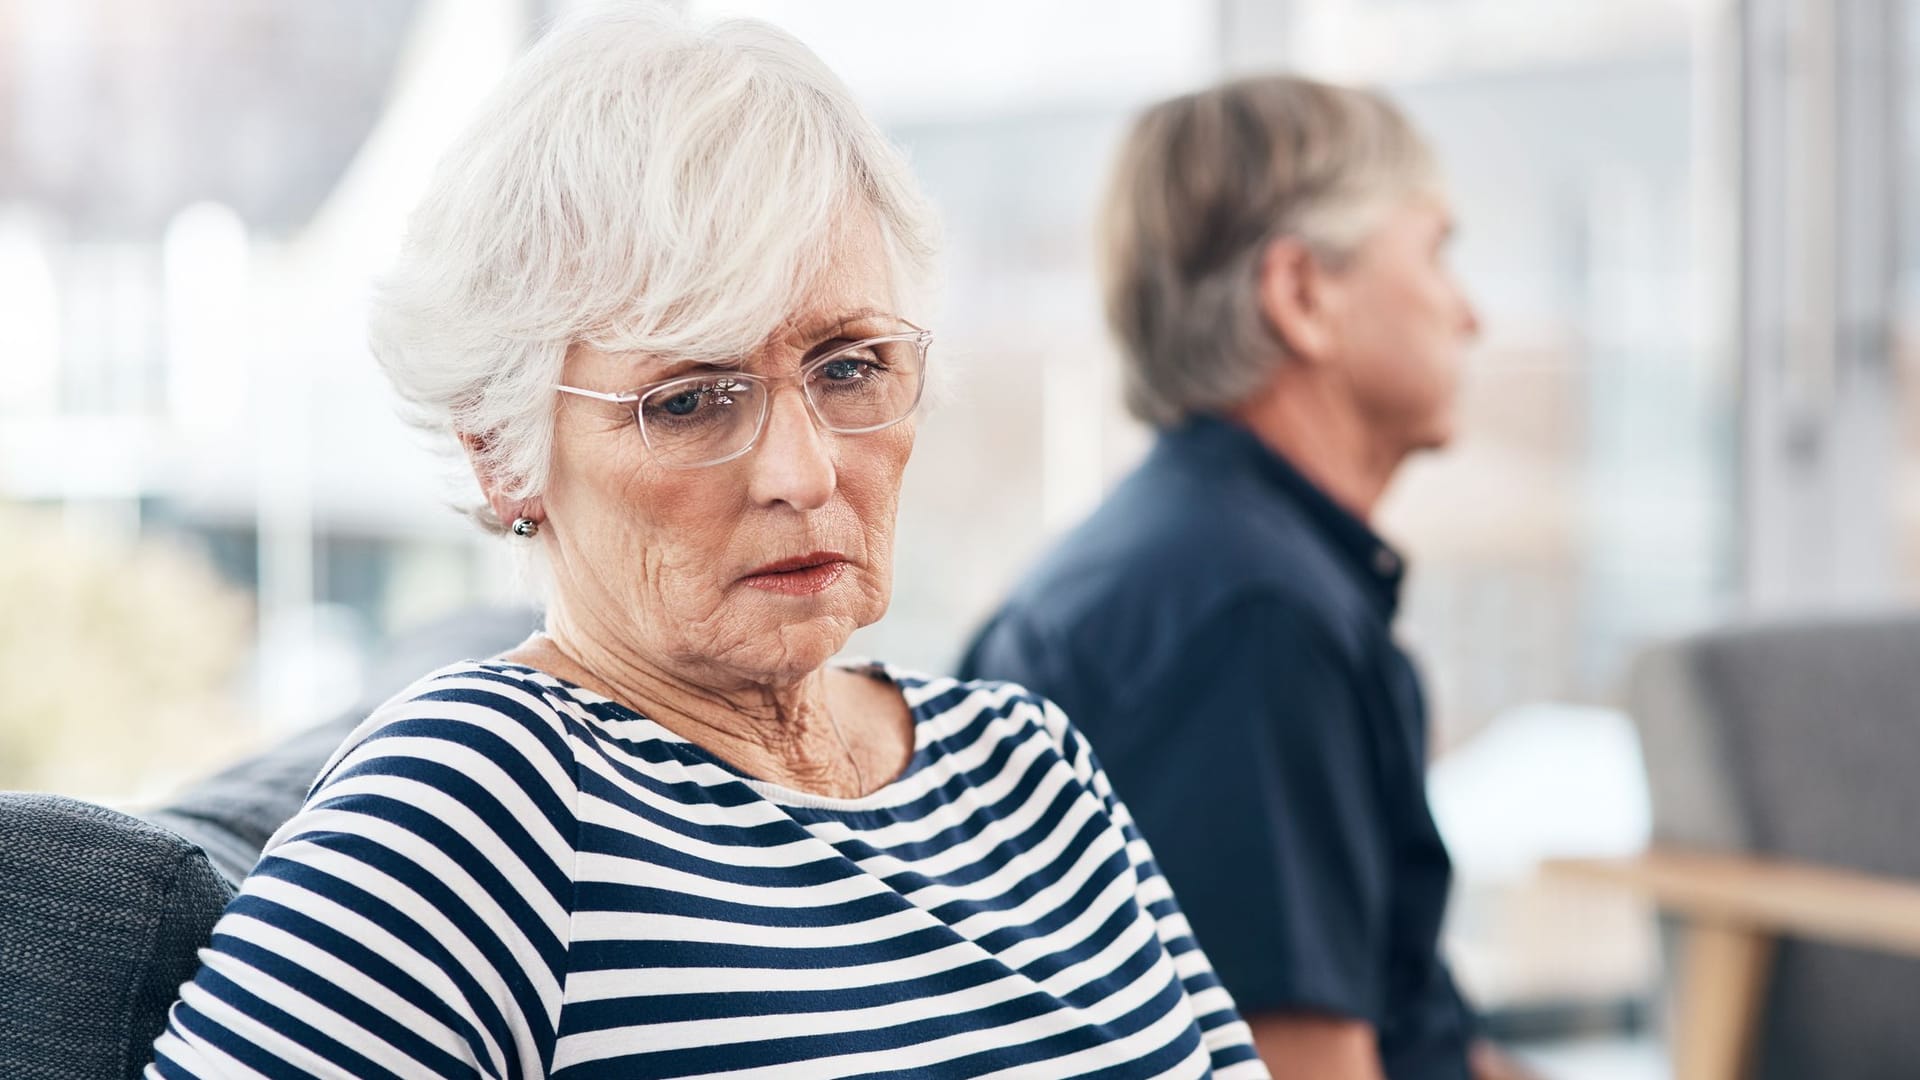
{"points": [[1723, 983]]}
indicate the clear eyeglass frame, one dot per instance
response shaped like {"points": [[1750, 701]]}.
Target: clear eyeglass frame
{"points": [[919, 338]]}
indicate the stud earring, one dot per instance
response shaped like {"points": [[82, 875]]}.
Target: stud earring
{"points": [[525, 526]]}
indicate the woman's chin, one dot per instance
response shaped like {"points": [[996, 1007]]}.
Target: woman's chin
{"points": [[793, 650], [775, 638]]}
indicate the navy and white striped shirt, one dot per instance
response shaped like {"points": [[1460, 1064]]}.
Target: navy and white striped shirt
{"points": [[504, 875]]}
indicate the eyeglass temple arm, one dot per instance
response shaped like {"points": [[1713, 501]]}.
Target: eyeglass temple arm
{"points": [[620, 399]]}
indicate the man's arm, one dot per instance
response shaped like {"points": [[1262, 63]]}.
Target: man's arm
{"points": [[1314, 1046], [1492, 1063]]}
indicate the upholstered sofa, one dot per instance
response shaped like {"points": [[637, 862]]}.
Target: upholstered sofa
{"points": [[102, 913]]}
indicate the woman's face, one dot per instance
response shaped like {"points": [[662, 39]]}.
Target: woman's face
{"points": [[752, 572]]}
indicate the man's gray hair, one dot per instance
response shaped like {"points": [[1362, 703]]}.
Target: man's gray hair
{"points": [[637, 184], [1205, 184]]}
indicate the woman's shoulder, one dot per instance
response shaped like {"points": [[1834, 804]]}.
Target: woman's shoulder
{"points": [[969, 710], [500, 712], [934, 696], [476, 756], [488, 691]]}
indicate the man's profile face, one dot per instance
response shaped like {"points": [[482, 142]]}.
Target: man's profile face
{"points": [[1402, 325]]}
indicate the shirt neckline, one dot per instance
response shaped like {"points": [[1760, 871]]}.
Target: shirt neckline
{"points": [[881, 798], [1376, 565]]}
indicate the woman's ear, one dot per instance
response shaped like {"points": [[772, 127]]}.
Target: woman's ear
{"points": [[1293, 291], [504, 510]]}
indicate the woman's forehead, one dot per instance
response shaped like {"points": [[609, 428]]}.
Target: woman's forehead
{"points": [[856, 275], [809, 328]]}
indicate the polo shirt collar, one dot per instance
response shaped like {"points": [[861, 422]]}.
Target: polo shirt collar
{"points": [[1375, 564]]}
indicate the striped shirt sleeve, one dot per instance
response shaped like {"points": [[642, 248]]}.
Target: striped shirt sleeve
{"points": [[411, 920], [1228, 1039]]}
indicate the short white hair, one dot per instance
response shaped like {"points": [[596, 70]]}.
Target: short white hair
{"points": [[637, 183]]}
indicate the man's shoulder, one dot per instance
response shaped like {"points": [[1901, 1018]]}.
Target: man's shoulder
{"points": [[1125, 603], [1178, 551]]}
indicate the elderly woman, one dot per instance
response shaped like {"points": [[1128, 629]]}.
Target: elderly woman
{"points": [[655, 292]]}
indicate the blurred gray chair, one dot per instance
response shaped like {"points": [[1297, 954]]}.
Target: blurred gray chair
{"points": [[1784, 765], [102, 914]]}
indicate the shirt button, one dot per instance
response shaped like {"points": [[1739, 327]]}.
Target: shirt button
{"points": [[1386, 561]]}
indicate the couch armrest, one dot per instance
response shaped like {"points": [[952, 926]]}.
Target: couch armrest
{"points": [[101, 915]]}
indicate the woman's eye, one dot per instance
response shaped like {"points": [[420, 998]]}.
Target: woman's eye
{"points": [[696, 401], [848, 368]]}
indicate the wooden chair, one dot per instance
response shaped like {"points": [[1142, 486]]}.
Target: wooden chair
{"points": [[1784, 765], [1732, 912]]}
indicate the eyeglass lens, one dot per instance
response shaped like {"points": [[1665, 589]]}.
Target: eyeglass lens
{"points": [[703, 419]]}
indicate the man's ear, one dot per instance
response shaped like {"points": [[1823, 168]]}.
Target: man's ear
{"points": [[1293, 291], [504, 509]]}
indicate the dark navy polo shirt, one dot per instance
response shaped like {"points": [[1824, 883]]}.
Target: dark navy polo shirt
{"points": [[1221, 630]]}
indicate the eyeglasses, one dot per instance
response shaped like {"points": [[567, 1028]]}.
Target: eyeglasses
{"points": [[696, 420]]}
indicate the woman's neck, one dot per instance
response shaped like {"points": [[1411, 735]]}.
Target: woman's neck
{"points": [[787, 734]]}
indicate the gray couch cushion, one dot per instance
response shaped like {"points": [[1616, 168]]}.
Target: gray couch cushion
{"points": [[101, 915]]}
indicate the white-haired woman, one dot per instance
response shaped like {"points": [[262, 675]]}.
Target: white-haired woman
{"points": [[656, 292]]}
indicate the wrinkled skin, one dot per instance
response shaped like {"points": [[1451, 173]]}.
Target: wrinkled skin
{"points": [[648, 604]]}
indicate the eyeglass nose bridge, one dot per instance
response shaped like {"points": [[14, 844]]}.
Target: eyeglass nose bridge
{"points": [[773, 384]]}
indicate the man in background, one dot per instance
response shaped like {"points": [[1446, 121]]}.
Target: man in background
{"points": [[1221, 627]]}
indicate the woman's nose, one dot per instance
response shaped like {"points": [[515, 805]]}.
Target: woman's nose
{"points": [[793, 464]]}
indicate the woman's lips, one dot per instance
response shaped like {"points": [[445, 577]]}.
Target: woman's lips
{"points": [[802, 576]]}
